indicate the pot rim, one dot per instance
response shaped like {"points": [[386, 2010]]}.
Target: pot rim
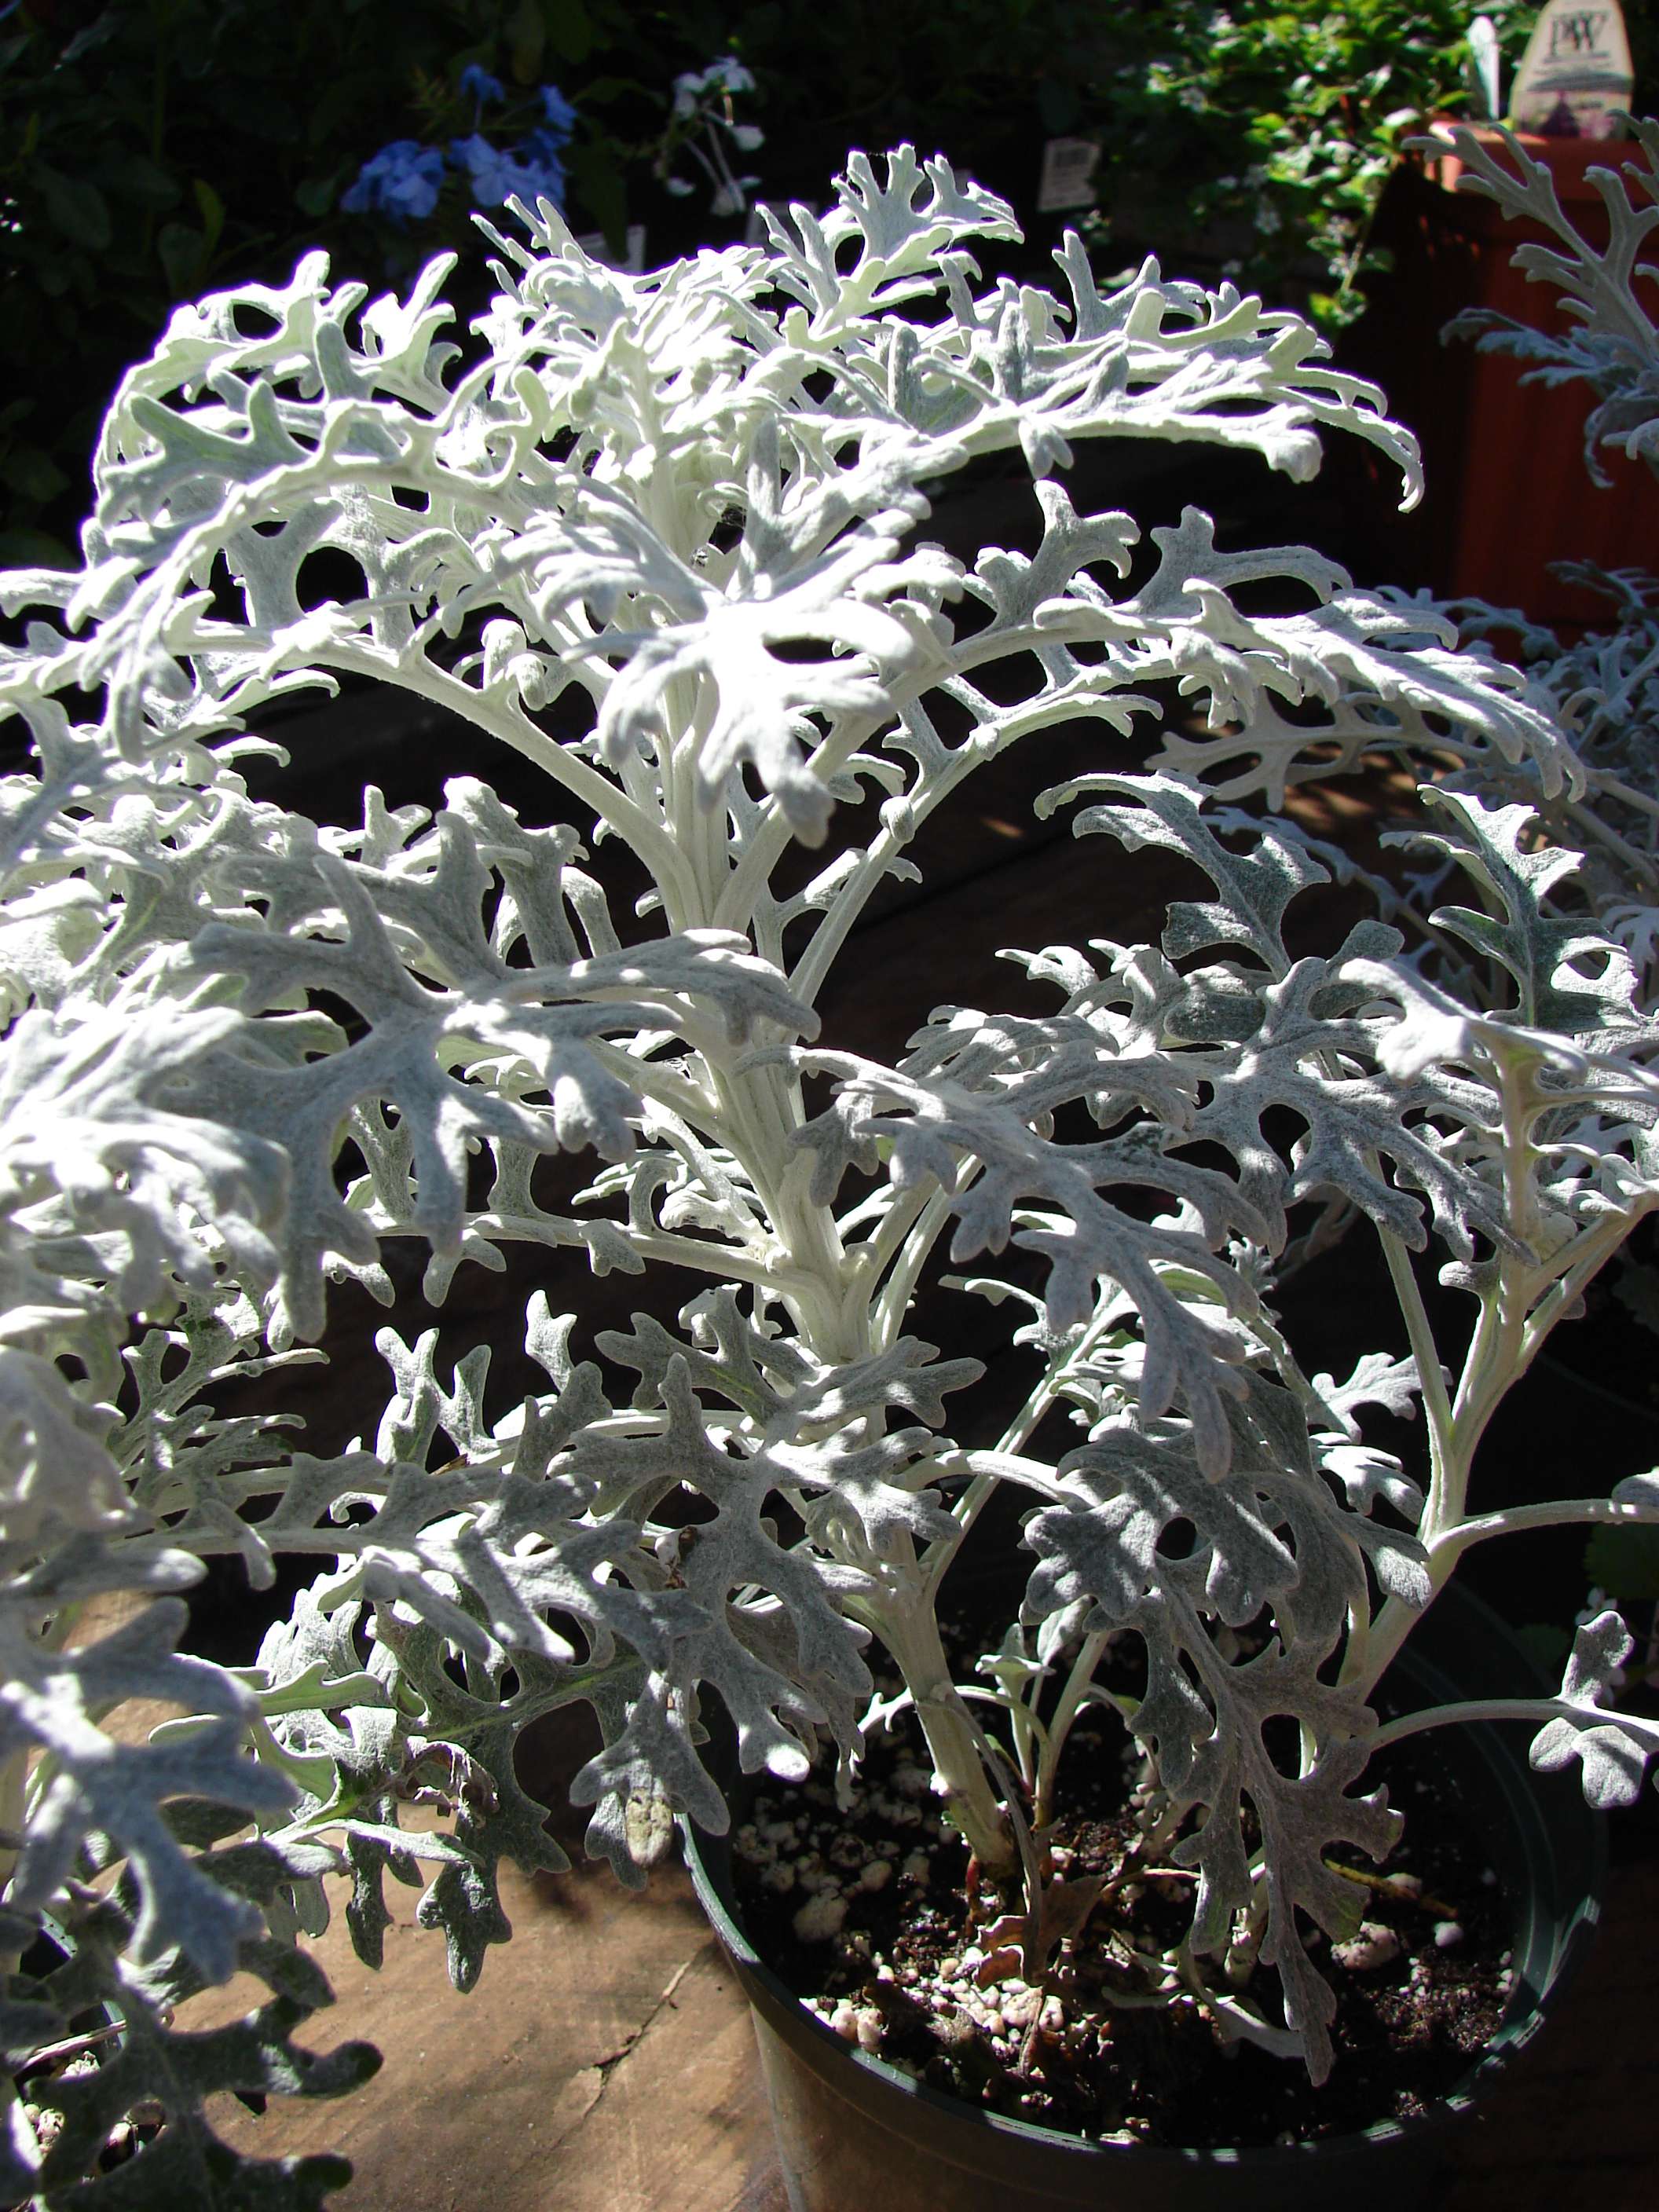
{"points": [[1444, 2116]]}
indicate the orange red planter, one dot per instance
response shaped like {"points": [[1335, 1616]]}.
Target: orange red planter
{"points": [[1508, 490]]}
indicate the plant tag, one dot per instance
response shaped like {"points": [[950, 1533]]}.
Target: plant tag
{"points": [[633, 262], [1068, 174], [1575, 79], [1486, 64]]}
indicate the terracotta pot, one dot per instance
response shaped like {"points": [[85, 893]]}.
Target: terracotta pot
{"points": [[1508, 491]]}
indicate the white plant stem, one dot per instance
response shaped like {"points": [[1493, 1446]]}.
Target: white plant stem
{"points": [[1534, 1711], [1069, 1704], [909, 1628]]}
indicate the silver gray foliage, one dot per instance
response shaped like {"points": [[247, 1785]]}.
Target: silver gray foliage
{"points": [[659, 534]]}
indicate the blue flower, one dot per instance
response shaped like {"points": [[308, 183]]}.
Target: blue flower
{"points": [[497, 177], [475, 155], [402, 180], [477, 81], [541, 176], [544, 147], [562, 116]]}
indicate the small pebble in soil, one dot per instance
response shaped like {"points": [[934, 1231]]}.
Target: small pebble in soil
{"points": [[820, 1917], [1447, 1934], [1373, 1946]]}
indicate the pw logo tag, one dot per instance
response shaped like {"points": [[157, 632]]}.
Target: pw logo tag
{"points": [[1575, 80], [1573, 35]]}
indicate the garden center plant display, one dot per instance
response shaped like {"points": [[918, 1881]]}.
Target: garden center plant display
{"points": [[664, 536]]}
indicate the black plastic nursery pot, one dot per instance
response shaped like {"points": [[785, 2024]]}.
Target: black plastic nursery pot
{"points": [[855, 2134]]}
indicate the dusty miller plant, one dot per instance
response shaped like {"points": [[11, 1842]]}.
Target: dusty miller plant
{"points": [[687, 508]]}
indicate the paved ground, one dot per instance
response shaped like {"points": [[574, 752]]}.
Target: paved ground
{"points": [[604, 2062]]}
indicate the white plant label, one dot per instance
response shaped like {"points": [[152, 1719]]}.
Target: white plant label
{"points": [[1485, 59], [1068, 175], [632, 264], [1575, 79]]}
